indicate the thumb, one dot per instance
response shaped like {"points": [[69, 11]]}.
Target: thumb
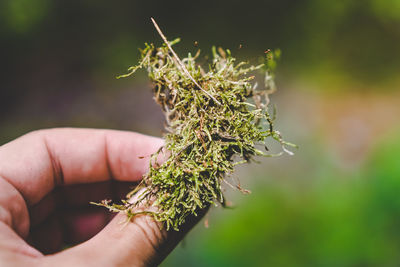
{"points": [[141, 242]]}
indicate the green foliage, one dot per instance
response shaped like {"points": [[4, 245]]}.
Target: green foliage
{"points": [[209, 122], [323, 216]]}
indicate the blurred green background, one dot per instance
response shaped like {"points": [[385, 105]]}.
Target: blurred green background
{"points": [[336, 202]]}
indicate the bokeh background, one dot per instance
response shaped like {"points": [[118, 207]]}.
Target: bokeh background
{"points": [[336, 202]]}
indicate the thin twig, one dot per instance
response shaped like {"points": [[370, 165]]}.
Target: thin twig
{"points": [[180, 62]]}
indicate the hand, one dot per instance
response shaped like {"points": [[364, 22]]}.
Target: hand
{"points": [[46, 172]]}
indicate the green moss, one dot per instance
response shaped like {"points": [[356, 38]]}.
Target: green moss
{"points": [[216, 119]]}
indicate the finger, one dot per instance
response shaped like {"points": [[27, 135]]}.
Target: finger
{"points": [[10, 242], [13, 220], [13, 211], [35, 163], [140, 242]]}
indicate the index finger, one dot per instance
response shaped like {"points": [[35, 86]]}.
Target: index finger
{"points": [[37, 162]]}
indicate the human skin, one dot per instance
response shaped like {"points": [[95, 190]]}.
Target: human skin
{"points": [[32, 169]]}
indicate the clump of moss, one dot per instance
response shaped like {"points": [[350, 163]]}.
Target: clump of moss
{"points": [[212, 116]]}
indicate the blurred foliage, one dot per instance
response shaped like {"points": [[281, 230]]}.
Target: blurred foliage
{"points": [[22, 16], [337, 220], [354, 40], [387, 10], [57, 50]]}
